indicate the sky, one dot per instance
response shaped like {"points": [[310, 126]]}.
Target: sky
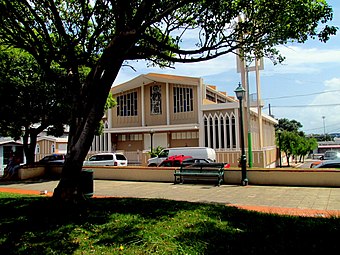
{"points": [[306, 87]]}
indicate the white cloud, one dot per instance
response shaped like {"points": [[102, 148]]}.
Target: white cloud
{"points": [[300, 60], [212, 67], [311, 117]]}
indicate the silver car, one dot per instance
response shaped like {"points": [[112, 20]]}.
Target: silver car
{"points": [[107, 159]]}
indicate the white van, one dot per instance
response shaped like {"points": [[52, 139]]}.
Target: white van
{"points": [[195, 152], [106, 159]]}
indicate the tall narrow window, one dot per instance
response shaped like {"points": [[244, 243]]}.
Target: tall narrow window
{"points": [[227, 124], [233, 130], [211, 131], [222, 131], [206, 141], [183, 99], [156, 100], [217, 136], [127, 104], [37, 149]]}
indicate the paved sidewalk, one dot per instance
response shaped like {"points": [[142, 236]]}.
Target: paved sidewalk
{"points": [[303, 201]]}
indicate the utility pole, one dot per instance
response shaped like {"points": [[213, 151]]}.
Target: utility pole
{"points": [[324, 127]]}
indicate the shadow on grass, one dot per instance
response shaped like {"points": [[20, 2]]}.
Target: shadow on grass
{"points": [[36, 225]]}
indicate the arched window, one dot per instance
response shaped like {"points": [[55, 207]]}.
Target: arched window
{"points": [[211, 131], [206, 140], [37, 149], [217, 136], [227, 124], [233, 130], [222, 128], [52, 148]]}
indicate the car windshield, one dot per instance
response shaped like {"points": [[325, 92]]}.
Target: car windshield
{"points": [[120, 157], [101, 157], [164, 154], [332, 154], [52, 157], [47, 158]]}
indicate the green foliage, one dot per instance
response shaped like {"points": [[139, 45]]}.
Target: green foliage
{"points": [[288, 125], [81, 32], [110, 103], [31, 225], [31, 98], [155, 151], [292, 141]]}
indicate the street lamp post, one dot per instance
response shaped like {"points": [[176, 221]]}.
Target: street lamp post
{"points": [[240, 91], [151, 139], [279, 140]]}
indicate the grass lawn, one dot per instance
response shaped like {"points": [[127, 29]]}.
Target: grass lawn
{"points": [[36, 225]]}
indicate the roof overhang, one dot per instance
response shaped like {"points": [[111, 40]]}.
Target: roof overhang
{"points": [[145, 79]]}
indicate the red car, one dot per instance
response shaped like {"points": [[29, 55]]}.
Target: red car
{"points": [[174, 161]]}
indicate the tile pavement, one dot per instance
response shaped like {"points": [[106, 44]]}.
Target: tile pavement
{"points": [[302, 201]]}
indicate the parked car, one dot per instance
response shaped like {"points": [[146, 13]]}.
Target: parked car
{"points": [[106, 159], [55, 159], [198, 152], [174, 161], [193, 161], [330, 155], [315, 163], [329, 164]]}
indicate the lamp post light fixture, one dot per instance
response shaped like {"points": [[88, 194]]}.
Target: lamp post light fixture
{"points": [[240, 92], [279, 132]]}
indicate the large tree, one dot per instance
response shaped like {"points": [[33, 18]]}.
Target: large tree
{"points": [[33, 103], [104, 34]]}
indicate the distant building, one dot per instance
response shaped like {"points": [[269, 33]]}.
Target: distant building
{"points": [[45, 145], [328, 146]]}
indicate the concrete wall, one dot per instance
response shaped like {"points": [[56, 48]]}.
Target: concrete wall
{"points": [[284, 177], [277, 176], [291, 177], [31, 172]]}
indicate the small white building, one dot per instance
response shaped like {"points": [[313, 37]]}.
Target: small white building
{"points": [[8, 146]]}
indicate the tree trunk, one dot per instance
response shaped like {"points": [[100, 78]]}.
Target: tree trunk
{"points": [[87, 113], [29, 147], [288, 156]]}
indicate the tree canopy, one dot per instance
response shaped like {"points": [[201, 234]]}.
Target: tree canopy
{"points": [[33, 103], [288, 125], [105, 34]]}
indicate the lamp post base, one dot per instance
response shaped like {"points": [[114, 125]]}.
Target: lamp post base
{"points": [[244, 182]]}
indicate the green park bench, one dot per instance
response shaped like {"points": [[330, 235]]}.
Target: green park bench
{"points": [[200, 171]]}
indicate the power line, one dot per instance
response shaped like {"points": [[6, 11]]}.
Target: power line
{"points": [[302, 95], [301, 106]]}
